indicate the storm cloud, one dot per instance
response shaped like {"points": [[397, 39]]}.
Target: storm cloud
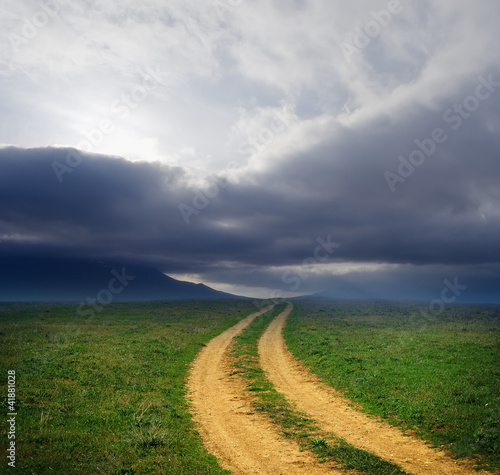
{"points": [[298, 156]]}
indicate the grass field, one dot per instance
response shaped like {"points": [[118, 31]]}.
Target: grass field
{"points": [[292, 423], [439, 376], [107, 394]]}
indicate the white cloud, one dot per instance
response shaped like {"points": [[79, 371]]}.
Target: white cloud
{"points": [[228, 77]]}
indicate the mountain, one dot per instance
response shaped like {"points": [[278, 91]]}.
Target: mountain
{"points": [[75, 280]]}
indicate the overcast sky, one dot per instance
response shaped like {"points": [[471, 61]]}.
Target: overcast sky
{"points": [[275, 147]]}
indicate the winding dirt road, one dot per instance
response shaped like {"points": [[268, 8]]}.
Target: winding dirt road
{"points": [[333, 413], [244, 443]]}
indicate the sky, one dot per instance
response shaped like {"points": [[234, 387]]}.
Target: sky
{"points": [[267, 148]]}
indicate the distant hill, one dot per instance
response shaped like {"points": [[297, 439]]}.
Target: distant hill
{"points": [[346, 293], [74, 280]]}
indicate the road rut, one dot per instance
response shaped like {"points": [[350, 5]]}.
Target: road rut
{"points": [[333, 413], [243, 443]]}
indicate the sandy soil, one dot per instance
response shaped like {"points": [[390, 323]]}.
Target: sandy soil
{"points": [[333, 413], [244, 443]]}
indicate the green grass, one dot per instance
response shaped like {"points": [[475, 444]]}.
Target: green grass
{"points": [[438, 377], [295, 424], [107, 394]]}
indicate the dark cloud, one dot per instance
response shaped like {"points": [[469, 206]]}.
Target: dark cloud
{"points": [[441, 221], [389, 148]]}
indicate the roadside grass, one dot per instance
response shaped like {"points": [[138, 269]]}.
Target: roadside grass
{"points": [[107, 394], [438, 377], [295, 424]]}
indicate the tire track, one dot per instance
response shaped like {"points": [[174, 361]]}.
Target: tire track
{"points": [[333, 413], [246, 444]]}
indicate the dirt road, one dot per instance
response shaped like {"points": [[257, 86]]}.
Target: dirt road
{"points": [[245, 443], [332, 412]]}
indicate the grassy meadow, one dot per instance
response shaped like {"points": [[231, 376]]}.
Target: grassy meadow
{"points": [[438, 376], [293, 424], [106, 394]]}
